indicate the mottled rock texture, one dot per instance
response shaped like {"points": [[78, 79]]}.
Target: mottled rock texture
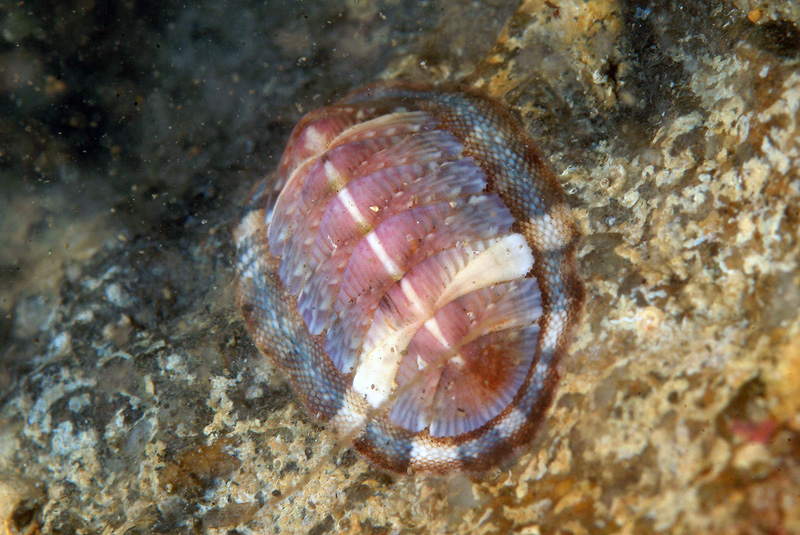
{"points": [[131, 399]]}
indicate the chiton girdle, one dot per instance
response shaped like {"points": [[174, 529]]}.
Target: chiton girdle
{"points": [[410, 267]]}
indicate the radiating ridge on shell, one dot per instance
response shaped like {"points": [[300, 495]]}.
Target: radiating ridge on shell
{"points": [[414, 276]]}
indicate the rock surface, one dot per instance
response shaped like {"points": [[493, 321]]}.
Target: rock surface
{"points": [[131, 399]]}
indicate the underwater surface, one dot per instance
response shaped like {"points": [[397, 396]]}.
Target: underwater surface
{"points": [[132, 399]]}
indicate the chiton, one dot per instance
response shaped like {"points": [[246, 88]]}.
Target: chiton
{"points": [[410, 267]]}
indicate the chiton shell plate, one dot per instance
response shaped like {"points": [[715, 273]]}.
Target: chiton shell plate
{"points": [[410, 267]]}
